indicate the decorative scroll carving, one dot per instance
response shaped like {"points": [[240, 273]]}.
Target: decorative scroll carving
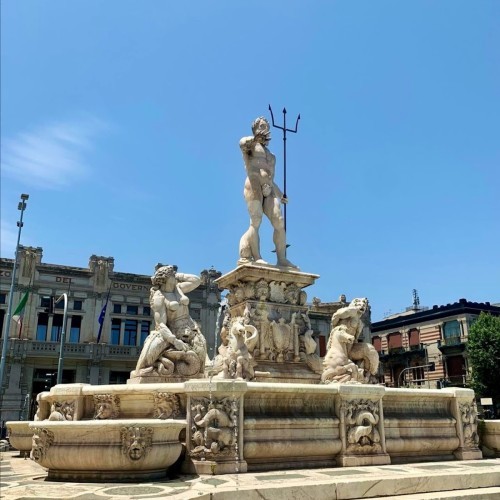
{"points": [[275, 291], [292, 293], [41, 441], [262, 290], [62, 410], [166, 405], [106, 406], [214, 427], [468, 413], [361, 419], [136, 441]]}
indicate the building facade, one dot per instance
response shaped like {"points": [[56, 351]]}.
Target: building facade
{"points": [[424, 347], [34, 342]]}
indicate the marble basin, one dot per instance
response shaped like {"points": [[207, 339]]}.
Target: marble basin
{"points": [[491, 437], [128, 449], [20, 435]]}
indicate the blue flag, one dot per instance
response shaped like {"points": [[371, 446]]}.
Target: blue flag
{"points": [[101, 321], [102, 316]]}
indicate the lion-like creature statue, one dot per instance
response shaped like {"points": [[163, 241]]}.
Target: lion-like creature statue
{"points": [[236, 360], [347, 359]]}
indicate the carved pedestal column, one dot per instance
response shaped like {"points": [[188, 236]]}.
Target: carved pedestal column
{"points": [[272, 299], [214, 438], [465, 412], [359, 408]]}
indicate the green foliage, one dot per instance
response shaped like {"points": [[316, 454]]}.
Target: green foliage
{"points": [[483, 348]]}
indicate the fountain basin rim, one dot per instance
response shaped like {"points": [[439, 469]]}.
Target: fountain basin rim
{"points": [[82, 424]]}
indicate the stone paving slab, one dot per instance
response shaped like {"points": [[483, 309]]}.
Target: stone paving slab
{"points": [[22, 479]]}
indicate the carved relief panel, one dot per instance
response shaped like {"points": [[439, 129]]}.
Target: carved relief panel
{"points": [[360, 418], [214, 428]]}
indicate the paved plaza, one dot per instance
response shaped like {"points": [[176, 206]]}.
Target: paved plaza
{"points": [[22, 478]]}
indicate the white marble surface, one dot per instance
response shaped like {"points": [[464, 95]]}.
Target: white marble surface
{"points": [[426, 481]]}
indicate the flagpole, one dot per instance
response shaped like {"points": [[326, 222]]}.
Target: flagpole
{"points": [[63, 338], [21, 206], [102, 316]]}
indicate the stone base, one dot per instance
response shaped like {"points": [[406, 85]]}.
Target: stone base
{"points": [[286, 372], [214, 468], [155, 379], [357, 460], [106, 476], [254, 272], [468, 454]]}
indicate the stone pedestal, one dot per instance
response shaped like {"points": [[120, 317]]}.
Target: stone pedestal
{"points": [[359, 408], [214, 437], [272, 299], [465, 413]]}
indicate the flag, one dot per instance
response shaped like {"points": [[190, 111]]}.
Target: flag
{"points": [[102, 316], [101, 320], [20, 322], [19, 312]]}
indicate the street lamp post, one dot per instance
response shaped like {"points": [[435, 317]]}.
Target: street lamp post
{"points": [[63, 335], [21, 206]]}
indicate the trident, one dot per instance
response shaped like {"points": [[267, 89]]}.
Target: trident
{"points": [[285, 130]]}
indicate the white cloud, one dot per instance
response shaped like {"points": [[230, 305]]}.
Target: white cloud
{"points": [[50, 156]]}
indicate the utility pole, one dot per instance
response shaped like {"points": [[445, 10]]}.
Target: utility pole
{"points": [[63, 338], [22, 207]]}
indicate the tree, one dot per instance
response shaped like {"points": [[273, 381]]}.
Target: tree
{"points": [[483, 348]]}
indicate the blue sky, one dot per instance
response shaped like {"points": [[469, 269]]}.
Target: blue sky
{"points": [[121, 119]]}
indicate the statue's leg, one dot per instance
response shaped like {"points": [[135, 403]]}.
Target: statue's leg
{"points": [[250, 242], [272, 209]]}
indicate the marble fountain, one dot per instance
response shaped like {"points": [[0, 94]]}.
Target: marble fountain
{"points": [[266, 402]]}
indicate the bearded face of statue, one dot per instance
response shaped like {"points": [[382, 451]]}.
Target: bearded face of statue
{"points": [[261, 130]]}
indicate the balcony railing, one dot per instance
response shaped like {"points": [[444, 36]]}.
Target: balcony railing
{"points": [[401, 349], [35, 348], [455, 340], [458, 380]]}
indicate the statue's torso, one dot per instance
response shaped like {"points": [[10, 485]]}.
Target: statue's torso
{"points": [[174, 315], [260, 162]]}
